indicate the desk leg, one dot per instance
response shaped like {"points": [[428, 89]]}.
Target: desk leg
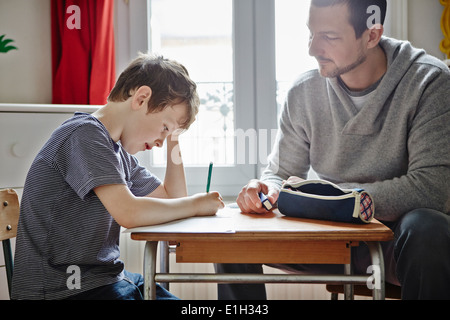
{"points": [[348, 288], [164, 260], [151, 248], [378, 272]]}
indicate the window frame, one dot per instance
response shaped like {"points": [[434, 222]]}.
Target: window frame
{"points": [[255, 103]]}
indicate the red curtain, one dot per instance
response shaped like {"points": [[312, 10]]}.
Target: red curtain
{"points": [[83, 59]]}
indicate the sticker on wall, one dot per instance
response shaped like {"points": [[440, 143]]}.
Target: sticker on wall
{"points": [[4, 47]]}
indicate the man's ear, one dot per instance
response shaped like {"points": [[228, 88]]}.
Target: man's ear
{"points": [[374, 35], [140, 97]]}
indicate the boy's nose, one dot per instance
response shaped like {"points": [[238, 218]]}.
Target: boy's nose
{"points": [[159, 143]]}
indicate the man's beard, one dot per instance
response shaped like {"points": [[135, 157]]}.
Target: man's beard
{"points": [[343, 70]]}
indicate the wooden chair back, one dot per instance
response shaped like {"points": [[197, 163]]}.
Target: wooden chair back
{"points": [[9, 213], [9, 219]]}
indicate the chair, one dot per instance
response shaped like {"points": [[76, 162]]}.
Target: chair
{"points": [[9, 218], [391, 291]]}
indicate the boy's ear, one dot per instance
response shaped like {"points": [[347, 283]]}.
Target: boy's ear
{"points": [[141, 97]]}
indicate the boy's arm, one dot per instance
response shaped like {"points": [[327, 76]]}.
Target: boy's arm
{"points": [[175, 179], [130, 211], [174, 185]]}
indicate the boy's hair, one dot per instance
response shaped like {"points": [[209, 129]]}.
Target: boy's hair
{"points": [[168, 79], [358, 11]]}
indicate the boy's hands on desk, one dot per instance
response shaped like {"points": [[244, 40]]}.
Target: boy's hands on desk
{"points": [[207, 204], [248, 199], [130, 211]]}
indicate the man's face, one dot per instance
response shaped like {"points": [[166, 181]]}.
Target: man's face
{"points": [[333, 41]]}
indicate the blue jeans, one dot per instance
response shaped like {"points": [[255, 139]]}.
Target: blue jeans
{"points": [[418, 259], [130, 288]]}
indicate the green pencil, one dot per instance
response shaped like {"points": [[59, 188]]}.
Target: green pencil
{"points": [[208, 184]]}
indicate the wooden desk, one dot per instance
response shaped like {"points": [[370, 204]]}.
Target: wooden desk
{"points": [[234, 237]]}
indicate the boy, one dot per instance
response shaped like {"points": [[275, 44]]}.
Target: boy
{"points": [[85, 184]]}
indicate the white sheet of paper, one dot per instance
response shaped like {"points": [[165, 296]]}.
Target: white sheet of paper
{"points": [[199, 224], [230, 220]]}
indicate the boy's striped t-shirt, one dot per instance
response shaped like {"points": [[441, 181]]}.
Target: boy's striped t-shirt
{"points": [[67, 242]]}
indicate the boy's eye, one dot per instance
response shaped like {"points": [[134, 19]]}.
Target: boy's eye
{"points": [[165, 128]]}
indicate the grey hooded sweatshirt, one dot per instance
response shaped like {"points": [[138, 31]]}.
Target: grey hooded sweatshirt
{"points": [[396, 147]]}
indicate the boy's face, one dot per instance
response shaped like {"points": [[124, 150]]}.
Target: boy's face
{"points": [[333, 41], [148, 130]]}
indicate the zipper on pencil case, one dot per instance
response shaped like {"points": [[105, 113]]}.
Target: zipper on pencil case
{"points": [[351, 194]]}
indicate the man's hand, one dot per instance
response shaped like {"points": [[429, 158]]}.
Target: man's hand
{"points": [[248, 199]]}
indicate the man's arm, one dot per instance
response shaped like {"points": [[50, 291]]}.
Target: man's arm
{"points": [[289, 156], [426, 182]]}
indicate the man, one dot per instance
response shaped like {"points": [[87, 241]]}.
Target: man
{"points": [[375, 115]]}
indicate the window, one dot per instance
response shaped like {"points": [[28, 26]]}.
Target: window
{"points": [[241, 53], [292, 36], [202, 41]]}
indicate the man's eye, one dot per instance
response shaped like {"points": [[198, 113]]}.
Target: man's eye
{"points": [[328, 38]]}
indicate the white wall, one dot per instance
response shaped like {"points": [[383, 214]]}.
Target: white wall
{"points": [[26, 73], [424, 28]]}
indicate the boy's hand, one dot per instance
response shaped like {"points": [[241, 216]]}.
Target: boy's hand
{"points": [[207, 204], [248, 199]]}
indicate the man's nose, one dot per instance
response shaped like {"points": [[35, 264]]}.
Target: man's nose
{"points": [[314, 49]]}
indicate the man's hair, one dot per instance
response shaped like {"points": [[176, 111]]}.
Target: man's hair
{"points": [[169, 81], [358, 11]]}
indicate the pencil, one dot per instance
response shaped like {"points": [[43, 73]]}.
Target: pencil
{"points": [[208, 184]]}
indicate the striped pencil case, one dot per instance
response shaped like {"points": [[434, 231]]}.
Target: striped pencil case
{"points": [[323, 200]]}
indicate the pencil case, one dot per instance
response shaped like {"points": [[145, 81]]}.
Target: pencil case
{"points": [[323, 200]]}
